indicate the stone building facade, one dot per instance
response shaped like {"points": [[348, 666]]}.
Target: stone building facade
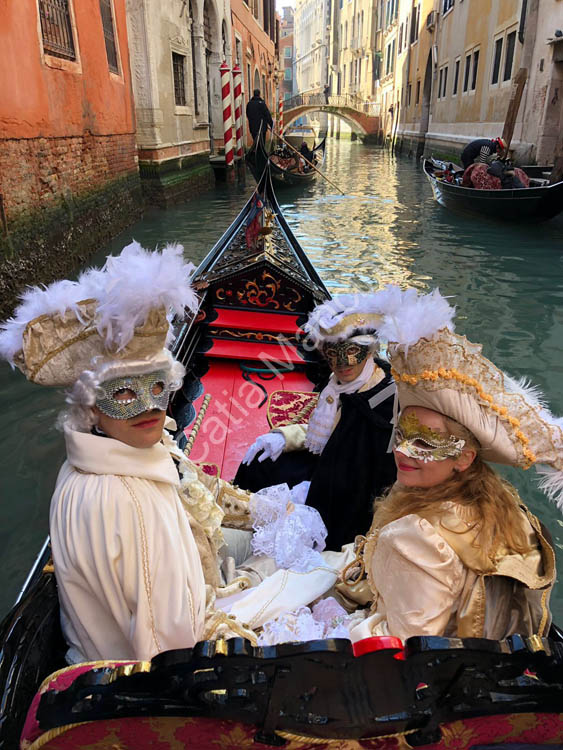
{"points": [[540, 136], [68, 178], [355, 48], [254, 40], [286, 62], [177, 47], [311, 34], [454, 79]]}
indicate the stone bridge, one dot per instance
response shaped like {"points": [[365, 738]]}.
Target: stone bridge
{"points": [[363, 117]]}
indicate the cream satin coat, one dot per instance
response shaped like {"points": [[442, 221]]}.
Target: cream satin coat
{"points": [[128, 570], [429, 577]]}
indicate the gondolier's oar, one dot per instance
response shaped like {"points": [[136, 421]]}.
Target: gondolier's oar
{"points": [[308, 162]]}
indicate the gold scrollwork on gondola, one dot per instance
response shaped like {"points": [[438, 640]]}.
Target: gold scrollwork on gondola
{"points": [[251, 335], [264, 291]]}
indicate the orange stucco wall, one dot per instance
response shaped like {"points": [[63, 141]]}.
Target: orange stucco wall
{"points": [[39, 100], [257, 51]]}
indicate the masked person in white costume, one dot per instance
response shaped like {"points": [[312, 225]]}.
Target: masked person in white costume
{"points": [[343, 450], [452, 549], [136, 528]]}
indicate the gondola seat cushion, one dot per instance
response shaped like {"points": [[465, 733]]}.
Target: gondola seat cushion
{"points": [[59, 680], [171, 733], [476, 176]]}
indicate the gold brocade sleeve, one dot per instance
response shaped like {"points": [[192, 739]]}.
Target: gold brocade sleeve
{"points": [[231, 499]]}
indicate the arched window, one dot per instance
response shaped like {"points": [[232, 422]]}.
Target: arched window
{"points": [[256, 80]]}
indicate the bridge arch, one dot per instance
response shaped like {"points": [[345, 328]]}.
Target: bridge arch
{"points": [[363, 117], [291, 117]]}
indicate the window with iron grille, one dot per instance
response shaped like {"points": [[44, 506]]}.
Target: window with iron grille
{"points": [[179, 79], [109, 35], [56, 28]]}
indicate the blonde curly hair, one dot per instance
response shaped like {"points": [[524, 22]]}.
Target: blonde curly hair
{"points": [[488, 501]]}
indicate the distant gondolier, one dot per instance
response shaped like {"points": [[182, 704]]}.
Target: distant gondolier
{"points": [[258, 114], [481, 151]]}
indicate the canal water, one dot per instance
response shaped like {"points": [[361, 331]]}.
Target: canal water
{"points": [[506, 280]]}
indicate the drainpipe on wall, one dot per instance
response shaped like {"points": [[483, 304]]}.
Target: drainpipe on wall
{"points": [[522, 26]]}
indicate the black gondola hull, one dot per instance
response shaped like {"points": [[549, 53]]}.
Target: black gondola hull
{"points": [[525, 204], [258, 158]]}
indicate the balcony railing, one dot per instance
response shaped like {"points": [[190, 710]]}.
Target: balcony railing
{"points": [[345, 101]]}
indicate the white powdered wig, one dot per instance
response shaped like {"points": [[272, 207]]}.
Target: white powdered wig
{"points": [[409, 317], [127, 288]]}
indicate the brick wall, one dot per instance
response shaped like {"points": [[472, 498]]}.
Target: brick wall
{"points": [[63, 198], [37, 173]]}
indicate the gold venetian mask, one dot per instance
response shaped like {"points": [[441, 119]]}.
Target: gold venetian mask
{"points": [[416, 440]]}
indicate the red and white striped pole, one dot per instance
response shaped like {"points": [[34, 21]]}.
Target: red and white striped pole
{"points": [[237, 82], [280, 113], [227, 113]]}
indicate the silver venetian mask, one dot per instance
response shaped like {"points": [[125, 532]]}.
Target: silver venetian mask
{"points": [[132, 395]]}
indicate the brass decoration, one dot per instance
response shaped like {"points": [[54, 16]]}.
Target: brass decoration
{"points": [[252, 335]]}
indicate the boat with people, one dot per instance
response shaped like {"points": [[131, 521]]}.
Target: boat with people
{"points": [[483, 194], [255, 288], [288, 165], [299, 133]]}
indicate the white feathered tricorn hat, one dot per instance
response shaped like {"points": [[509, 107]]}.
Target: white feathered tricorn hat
{"points": [[441, 370], [118, 315], [345, 316]]}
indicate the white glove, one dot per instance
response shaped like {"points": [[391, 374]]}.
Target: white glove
{"points": [[299, 493], [271, 444]]}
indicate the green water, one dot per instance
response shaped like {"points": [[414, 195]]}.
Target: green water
{"points": [[506, 280]]}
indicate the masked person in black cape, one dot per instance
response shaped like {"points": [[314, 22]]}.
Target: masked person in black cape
{"points": [[343, 449]]}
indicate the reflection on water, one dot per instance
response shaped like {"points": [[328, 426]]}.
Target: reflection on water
{"points": [[506, 281]]}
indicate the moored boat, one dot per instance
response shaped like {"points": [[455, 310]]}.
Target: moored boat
{"points": [[538, 202], [255, 286], [299, 133]]}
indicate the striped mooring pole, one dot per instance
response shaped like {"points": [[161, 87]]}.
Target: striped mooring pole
{"points": [[280, 113], [227, 113], [237, 82]]}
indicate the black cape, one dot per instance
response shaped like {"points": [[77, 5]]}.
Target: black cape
{"points": [[353, 469]]}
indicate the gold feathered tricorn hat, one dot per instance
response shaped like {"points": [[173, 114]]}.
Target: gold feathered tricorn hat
{"points": [[118, 315], [441, 370]]}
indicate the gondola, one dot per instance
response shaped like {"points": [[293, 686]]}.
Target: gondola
{"points": [[538, 202], [255, 287], [258, 157]]}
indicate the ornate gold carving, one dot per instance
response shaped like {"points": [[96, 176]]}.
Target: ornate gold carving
{"points": [[265, 291], [251, 335]]}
